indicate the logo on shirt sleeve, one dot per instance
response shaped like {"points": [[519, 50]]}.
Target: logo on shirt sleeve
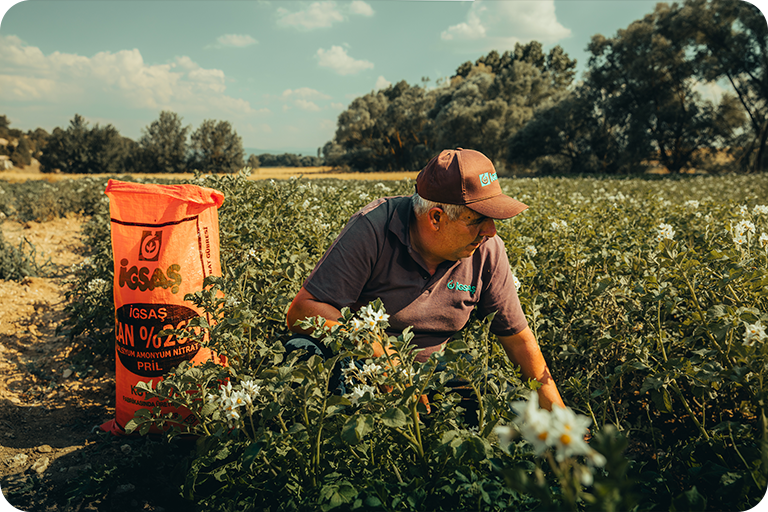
{"points": [[457, 286]]}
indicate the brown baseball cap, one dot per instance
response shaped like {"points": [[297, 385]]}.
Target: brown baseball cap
{"points": [[467, 177]]}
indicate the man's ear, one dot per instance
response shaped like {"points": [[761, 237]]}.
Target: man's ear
{"points": [[435, 215]]}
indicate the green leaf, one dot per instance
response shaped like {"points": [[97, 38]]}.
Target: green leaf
{"points": [[356, 428], [394, 418], [690, 500], [252, 452]]}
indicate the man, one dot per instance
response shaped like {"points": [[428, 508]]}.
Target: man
{"points": [[431, 259]]}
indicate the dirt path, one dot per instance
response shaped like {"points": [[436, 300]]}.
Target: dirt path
{"points": [[52, 399]]}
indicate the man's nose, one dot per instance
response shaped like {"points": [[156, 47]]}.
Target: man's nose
{"points": [[488, 228]]}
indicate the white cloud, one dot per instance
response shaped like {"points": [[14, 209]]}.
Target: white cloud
{"points": [[337, 106], [361, 8], [304, 93], [317, 15], [470, 29], [337, 59], [382, 83], [499, 25], [322, 14], [120, 77], [233, 41], [306, 105]]}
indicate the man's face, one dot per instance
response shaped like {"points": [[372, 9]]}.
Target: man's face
{"points": [[461, 237]]}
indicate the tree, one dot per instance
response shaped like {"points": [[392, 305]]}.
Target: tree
{"points": [[38, 138], [163, 145], [22, 152], [488, 102], [728, 40], [4, 126], [646, 80], [216, 147], [253, 162], [80, 150]]}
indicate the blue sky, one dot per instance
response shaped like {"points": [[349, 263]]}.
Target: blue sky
{"points": [[280, 72]]}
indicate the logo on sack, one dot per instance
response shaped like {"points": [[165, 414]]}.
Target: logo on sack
{"points": [[487, 178], [455, 285], [149, 248]]}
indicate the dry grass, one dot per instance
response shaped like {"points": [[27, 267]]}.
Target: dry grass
{"points": [[32, 172]]}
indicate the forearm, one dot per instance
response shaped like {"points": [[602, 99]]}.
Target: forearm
{"points": [[523, 350], [307, 306]]}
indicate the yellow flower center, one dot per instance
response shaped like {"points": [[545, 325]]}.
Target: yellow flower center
{"points": [[565, 439], [542, 436]]}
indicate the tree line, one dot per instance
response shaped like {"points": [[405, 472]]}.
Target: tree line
{"points": [[162, 148], [640, 103]]}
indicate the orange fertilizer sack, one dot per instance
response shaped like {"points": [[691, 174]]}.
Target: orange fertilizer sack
{"points": [[165, 241]]}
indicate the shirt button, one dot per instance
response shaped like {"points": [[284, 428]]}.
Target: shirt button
{"points": [[425, 278]]}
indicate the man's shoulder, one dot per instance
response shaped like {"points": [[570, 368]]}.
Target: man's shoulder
{"points": [[382, 209]]}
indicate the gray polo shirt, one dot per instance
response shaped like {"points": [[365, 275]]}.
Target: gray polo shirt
{"points": [[372, 258]]}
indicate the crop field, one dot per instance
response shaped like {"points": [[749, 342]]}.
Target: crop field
{"points": [[648, 296]]}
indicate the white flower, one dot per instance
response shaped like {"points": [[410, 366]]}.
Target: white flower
{"points": [[664, 231], [744, 227], [763, 239], [370, 369], [760, 209], [370, 318], [691, 204], [562, 429], [568, 431], [305, 204], [531, 251], [739, 239], [226, 390], [231, 414], [252, 253], [559, 225], [251, 389], [753, 333], [97, 285], [239, 399], [742, 210], [349, 371], [534, 423], [517, 283], [358, 392]]}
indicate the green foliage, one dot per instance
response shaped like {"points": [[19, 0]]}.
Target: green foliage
{"points": [[216, 147], [83, 150], [285, 160], [651, 336], [482, 105], [163, 145], [16, 263]]}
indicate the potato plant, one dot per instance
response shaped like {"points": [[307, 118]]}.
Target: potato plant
{"points": [[648, 297]]}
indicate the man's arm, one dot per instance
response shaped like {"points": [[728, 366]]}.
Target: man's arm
{"points": [[523, 350], [306, 305]]}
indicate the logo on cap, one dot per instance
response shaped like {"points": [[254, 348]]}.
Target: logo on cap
{"points": [[487, 178]]}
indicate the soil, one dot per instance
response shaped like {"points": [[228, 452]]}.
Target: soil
{"points": [[54, 393]]}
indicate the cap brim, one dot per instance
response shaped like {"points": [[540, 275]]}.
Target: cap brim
{"points": [[498, 207]]}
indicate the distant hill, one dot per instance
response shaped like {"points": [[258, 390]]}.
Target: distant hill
{"points": [[294, 151]]}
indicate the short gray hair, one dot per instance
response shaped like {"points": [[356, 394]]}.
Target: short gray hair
{"points": [[422, 206]]}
